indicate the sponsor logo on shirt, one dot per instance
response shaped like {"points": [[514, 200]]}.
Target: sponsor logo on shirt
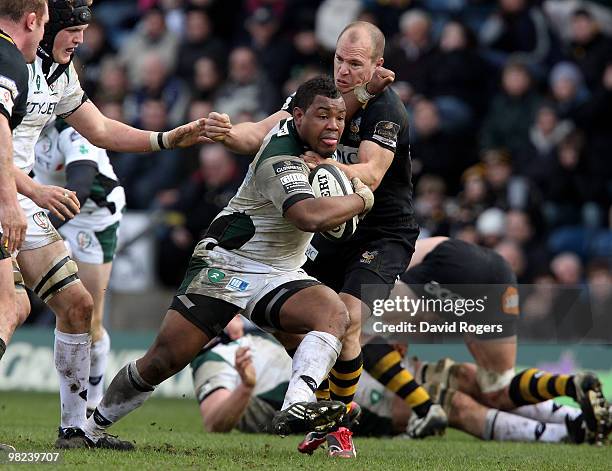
{"points": [[215, 276], [237, 284], [386, 132]]}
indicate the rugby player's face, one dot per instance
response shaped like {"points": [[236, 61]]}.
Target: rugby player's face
{"points": [[353, 64], [66, 42], [322, 124]]}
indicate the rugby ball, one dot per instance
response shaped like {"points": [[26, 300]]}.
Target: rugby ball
{"points": [[328, 180]]}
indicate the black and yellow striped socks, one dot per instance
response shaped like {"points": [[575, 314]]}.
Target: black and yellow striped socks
{"points": [[322, 392], [384, 364], [532, 386], [343, 379]]}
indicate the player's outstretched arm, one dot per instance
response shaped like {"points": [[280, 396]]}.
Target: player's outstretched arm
{"points": [[222, 409], [243, 138], [113, 135], [12, 219]]}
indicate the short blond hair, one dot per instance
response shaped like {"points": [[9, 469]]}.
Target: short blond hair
{"points": [[15, 9]]}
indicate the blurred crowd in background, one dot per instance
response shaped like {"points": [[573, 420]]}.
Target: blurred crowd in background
{"points": [[510, 104]]}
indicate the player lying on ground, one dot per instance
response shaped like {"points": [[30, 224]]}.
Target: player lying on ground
{"points": [[375, 148], [249, 262], [240, 383], [47, 269], [455, 387], [440, 262], [66, 159]]}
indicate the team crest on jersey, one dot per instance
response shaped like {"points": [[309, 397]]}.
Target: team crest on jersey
{"points": [[215, 276], [354, 128], [42, 221], [368, 257], [386, 132], [83, 239], [510, 301], [375, 396]]}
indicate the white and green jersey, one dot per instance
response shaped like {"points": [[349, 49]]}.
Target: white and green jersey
{"points": [[45, 100], [215, 368], [252, 224], [59, 146]]}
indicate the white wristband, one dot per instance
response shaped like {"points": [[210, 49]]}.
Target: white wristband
{"points": [[362, 94], [159, 141]]}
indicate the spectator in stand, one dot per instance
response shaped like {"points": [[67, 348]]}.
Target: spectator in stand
{"points": [[159, 84], [513, 254], [544, 137], [113, 83], [198, 42], [568, 89], [589, 48], [151, 36], [599, 276], [247, 88], [272, 49], [144, 175], [95, 49], [456, 79], [570, 193], [435, 150], [508, 191], [511, 112], [430, 206], [520, 230], [491, 227], [409, 53], [519, 28], [471, 200], [206, 79], [196, 202], [567, 268], [594, 119]]}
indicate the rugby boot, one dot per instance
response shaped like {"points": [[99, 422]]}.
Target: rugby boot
{"points": [[595, 408], [314, 440], [303, 417], [433, 423], [340, 443]]}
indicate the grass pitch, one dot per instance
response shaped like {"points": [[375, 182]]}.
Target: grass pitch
{"points": [[168, 435]]}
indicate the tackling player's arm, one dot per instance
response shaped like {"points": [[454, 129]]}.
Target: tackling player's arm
{"points": [[246, 138], [374, 161], [12, 219], [222, 409], [113, 135]]}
